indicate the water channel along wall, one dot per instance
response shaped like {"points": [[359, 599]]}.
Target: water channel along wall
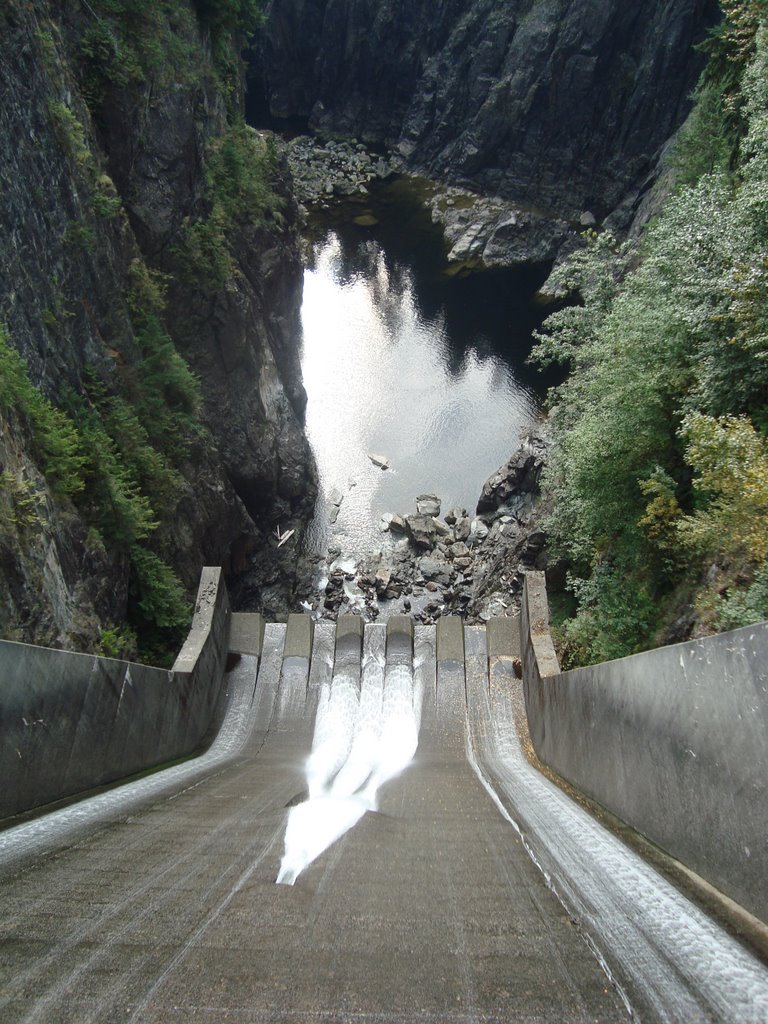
{"points": [[429, 872], [673, 741]]}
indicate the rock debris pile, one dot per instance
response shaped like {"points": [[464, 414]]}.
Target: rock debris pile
{"points": [[322, 170], [456, 563], [479, 230]]}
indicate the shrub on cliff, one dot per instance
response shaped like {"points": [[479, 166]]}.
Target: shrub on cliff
{"points": [[96, 452], [227, 21], [55, 436], [240, 171], [129, 41], [164, 391]]}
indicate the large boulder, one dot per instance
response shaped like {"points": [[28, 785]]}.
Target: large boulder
{"points": [[436, 570], [422, 531], [428, 505]]}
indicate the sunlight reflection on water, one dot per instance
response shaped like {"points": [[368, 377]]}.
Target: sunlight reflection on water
{"points": [[383, 377]]}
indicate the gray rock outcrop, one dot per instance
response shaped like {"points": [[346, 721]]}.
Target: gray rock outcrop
{"points": [[517, 478]]}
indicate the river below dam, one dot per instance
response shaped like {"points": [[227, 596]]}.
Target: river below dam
{"points": [[403, 360]]}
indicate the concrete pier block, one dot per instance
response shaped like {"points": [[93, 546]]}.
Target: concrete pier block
{"points": [[450, 639], [503, 637], [400, 639], [400, 624], [246, 634], [349, 625], [349, 645], [298, 637]]}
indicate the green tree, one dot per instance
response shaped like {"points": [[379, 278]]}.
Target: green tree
{"points": [[660, 428]]}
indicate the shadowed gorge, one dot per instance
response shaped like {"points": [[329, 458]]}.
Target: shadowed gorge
{"points": [[564, 103], [402, 358]]}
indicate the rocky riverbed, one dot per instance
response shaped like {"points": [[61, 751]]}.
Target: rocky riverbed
{"points": [[435, 562], [479, 230]]}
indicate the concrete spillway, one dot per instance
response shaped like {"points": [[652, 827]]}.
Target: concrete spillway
{"points": [[427, 872]]}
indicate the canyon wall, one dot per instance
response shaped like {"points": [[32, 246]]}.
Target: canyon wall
{"points": [[563, 104], [118, 256]]}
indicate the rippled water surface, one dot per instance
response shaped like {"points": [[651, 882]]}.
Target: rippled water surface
{"points": [[401, 361]]}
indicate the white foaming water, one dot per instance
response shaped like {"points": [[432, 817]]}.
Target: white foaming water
{"points": [[362, 740], [364, 751], [337, 713], [399, 728]]}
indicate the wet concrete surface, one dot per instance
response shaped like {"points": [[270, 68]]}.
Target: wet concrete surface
{"points": [[163, 905]]}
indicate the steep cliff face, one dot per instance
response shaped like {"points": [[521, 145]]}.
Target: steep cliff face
{"points": [[118, 253], [560, 103], [240, 335]]}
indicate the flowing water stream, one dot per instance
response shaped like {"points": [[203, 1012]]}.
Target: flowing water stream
{"points": [[401, 359]]}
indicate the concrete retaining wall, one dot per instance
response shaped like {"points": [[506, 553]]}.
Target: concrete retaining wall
{"points": [[672, 741], [69, 722]]}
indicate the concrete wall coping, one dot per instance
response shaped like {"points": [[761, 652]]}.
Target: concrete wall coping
{"points": [[208, 594], [84, 656], [537, 624], [206, 605]]}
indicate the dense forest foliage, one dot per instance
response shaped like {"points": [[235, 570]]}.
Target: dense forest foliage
{"points": [[659, 470]]}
